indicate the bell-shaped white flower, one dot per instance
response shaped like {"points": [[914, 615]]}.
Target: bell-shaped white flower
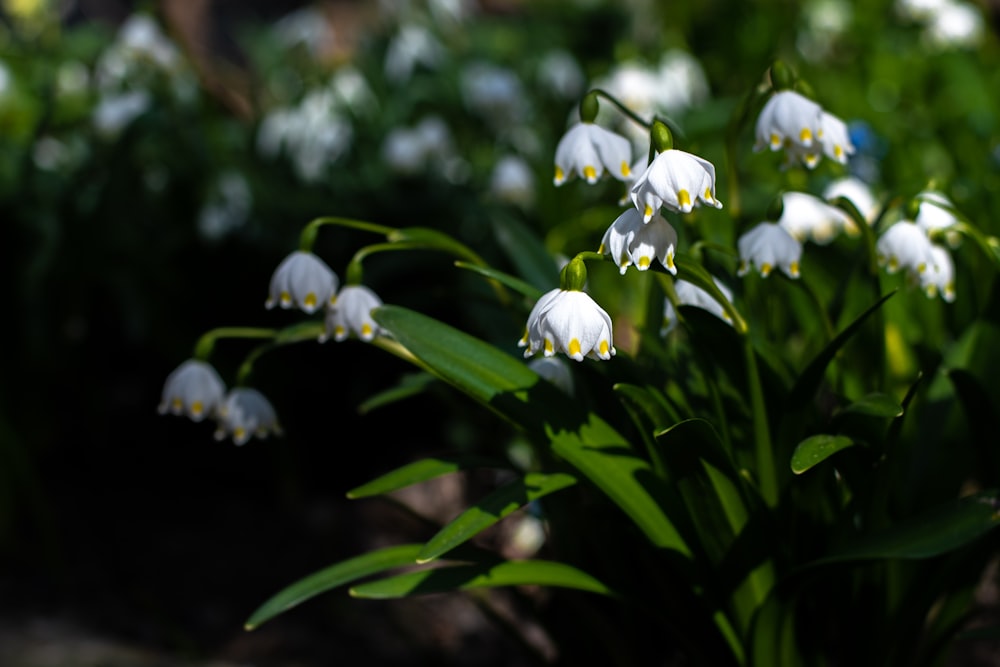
{"points": [[246, 413], [835, 138], [351, 313], [689, 294], [302, 280], [630, 241], [571, 322], [858, 193], [512, 181], [767, 246], [942, 279], [589, 151], [788, 120], [905, 246], [809, 218], [194, 389], [677, 180], [936, 216], [555, 370]]}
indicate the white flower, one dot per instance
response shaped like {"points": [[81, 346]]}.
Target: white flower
{"points": [[194, 388], [905, 246], [788, 120], [555, 370], [304, 281], [227, 207], [494, 92], [677, 180], [559, 72], [512, 181], [630, 241], [571, 322], [246, 413], [942, 279], [411, 47], [858, 193], [809, 218], [588, 150], [767, 246], [689, 294], [350, 312], [936, 215], [955, 25], [681, 82], [116, 111]]}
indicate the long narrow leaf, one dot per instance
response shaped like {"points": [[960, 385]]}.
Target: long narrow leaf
{"points": [[465, 577], [817, 448], [331, 577], [491, 509], [421, 471]]}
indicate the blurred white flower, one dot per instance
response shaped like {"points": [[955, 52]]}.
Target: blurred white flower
{"points": [[858, 193], [589, 151], [630, 241], [245, 413], [681, 83], [411, 47], [494, 92], [809, 218], [767, 246], [351, 89], [955, 25], [72, 78], [689, 294], [194, 389], [936, 216], [414, 150], [115, 111], [350, 313], [824, 21], [306, 26], [304, 281], [677, 180], [314, 134], [512, 181], [560, 73], [227, 207], [555, 370], [905, 246], [942, 279], [788, 120], [571, 322]]}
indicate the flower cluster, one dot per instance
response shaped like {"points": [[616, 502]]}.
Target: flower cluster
{"points": [[806, 132]]}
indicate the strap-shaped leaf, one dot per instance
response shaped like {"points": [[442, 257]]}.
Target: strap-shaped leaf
{"points": [[874, 405], [506, 279], [817, 448], [409, 385], [526, 251], [421, 471], [808, 382], [331, 577], [600, 453], [465, 577], [491, 509], [937, 531]]}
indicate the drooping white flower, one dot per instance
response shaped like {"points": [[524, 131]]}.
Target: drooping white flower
{"points": [[809, 218], [194, 389], [555, 370], [512, 181], [767, 246], [788, 120], [955, 25], [246, 413], [589, 151], [858, 193], [689, 294], [571, 322], [905, 246], [631, 242], [936, 216], [351, 313], [677, 180], [303, 281], [942, 279]]}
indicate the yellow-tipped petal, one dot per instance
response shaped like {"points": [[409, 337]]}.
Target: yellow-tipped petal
{"points": [[310, 300], [626, 169], [605, 348], [806, 135], [684, 199], [765, 269], [647, 212], [643, 263], [574, 348], [793, 269], [560, 176], [366, 329], [590, 173], [286, 299], [548, 346], [197, 408], [775, 141]]}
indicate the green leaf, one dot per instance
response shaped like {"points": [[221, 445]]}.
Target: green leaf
{"points": [[649, 401], [605, 458], [516, 284], [527, 252], [874, 405], [491, 509], [410, 385], [434, 239], [331, 577], [808, 382], [937, 531], [817, 448], [421, 471], [465, 577], [695, 273]]}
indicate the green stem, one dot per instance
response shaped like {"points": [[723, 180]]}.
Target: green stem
{"points": [[633, 116], [205, 344], [308, 237], [766, 472]]}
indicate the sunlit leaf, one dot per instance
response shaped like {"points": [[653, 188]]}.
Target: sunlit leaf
{"points": [[874, 405], [816, 449], [491, 509], [526, 289], [465, 577]]}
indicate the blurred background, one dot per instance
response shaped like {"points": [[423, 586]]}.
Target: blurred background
{"points": [[158, 161]]}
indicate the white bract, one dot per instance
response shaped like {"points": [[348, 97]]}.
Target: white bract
{"points": [[571, 322], [767, 246], [304, 281], [246, 413], [589, 151], [677, 180], [351, 313], [630, 241], [689, 294], [194, 389], [809, 218], [905, 246], [942, 279]]}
